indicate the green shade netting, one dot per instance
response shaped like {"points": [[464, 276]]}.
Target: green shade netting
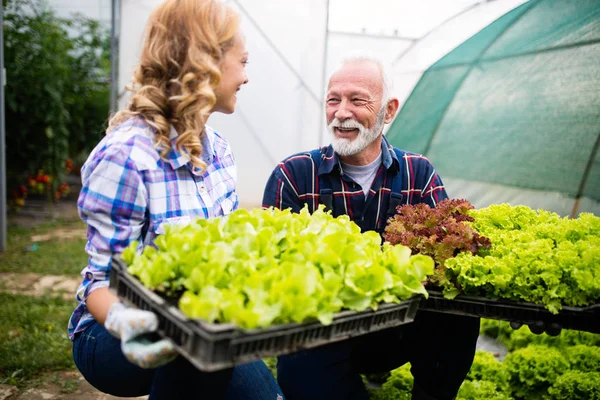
{"points": [[517, 104]]}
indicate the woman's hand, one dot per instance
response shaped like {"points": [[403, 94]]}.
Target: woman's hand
{"points": [[134, 327]]}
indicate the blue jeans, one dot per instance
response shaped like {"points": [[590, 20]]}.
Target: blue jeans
{"points": [[440, 348], [98, 356]]}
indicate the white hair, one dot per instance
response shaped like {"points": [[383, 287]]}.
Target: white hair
{"points": [[386, 80]]}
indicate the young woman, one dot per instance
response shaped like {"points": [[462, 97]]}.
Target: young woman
{"points": [[161, 164]]}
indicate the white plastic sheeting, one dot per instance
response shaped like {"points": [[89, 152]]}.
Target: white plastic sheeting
{"points": [[294, 45], [95, 9]]}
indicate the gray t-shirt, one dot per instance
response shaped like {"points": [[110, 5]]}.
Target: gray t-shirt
{"points": [[363, 174]]}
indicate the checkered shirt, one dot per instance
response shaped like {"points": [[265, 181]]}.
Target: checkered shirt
{"points": [[129, 193], [300, 179]]}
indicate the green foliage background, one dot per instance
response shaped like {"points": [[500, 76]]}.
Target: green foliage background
{"points": [[57, 88]]}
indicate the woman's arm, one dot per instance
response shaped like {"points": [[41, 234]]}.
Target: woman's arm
{"points": [[98, 303], [112, 202]]}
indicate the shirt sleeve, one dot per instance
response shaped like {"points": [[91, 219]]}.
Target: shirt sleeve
{"points": [[112, 202], [433, 190], [281, 190]]}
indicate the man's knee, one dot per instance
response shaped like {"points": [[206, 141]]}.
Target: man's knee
{"points": [[316, 375], [296, 376]]}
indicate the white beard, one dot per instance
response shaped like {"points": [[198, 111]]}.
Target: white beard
{"points": [[347, 147]]}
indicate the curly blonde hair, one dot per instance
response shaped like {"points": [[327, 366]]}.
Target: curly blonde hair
{"points": [[174, 83]]}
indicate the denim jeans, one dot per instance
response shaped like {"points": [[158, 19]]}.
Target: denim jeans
{"points": [[99, 358], [440, 348]]}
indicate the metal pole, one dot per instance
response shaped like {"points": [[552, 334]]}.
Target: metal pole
{"points": [[373, 36], [323, 77], [114, 58], [585, 176], [2, 141]]}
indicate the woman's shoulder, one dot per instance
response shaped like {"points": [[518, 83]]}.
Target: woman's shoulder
{"points": [[219, 144], [131, 134], [133, 140]]}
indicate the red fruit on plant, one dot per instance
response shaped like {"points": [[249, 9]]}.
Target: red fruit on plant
{"points": [[23, 189]]}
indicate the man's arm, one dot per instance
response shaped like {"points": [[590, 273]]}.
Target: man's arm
{"points": [[282, 190], [432, 188], [435, 191]]}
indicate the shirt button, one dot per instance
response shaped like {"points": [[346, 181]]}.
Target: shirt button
{"points": [[202, 188]]}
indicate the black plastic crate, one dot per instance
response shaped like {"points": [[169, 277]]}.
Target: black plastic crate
{"points": [[211, 347], [577, 318]]}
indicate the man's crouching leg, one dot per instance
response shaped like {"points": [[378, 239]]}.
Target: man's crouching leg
{"points": [[323, 373], [442, 355]]}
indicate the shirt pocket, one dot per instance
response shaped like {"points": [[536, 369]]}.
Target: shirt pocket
{"points": [[226, 206]]}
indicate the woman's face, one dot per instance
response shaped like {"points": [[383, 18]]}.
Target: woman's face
{"points": [[233, 76]]}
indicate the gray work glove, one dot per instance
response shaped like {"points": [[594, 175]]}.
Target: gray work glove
{"points": [[132, 326]]}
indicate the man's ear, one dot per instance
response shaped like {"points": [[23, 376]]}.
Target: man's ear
{"points": [[391, 109]]}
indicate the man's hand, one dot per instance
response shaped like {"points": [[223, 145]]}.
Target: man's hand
{"points": [[132, 326]]}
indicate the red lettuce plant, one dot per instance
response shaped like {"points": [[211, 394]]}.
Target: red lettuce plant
{"points": [[439, 232]]}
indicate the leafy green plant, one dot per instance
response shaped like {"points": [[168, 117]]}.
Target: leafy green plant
{"points": [[584, 358], [487, 368], [576, 385], [438, 232], [566, 371], [56, 90], [262, 267], [271, 363], [533, 369], [500, 330], [477, 390], [536, 256], [389, 393], [398, 385], [400, 378], [523, 337]]}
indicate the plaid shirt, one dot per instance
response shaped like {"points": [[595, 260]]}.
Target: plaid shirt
{"points": [[404, 177], [129, 193]]}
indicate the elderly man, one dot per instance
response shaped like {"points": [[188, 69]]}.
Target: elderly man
{"points": [[360, 174]]}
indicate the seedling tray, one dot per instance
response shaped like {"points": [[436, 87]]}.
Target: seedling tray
{"points": [[212, 347], [535, 315]]}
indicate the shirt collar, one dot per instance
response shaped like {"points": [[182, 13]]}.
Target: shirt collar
{"points": [[178, 159], [330, 159]]}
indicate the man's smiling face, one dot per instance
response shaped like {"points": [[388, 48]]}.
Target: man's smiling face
{"points": [[354, 106]]}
